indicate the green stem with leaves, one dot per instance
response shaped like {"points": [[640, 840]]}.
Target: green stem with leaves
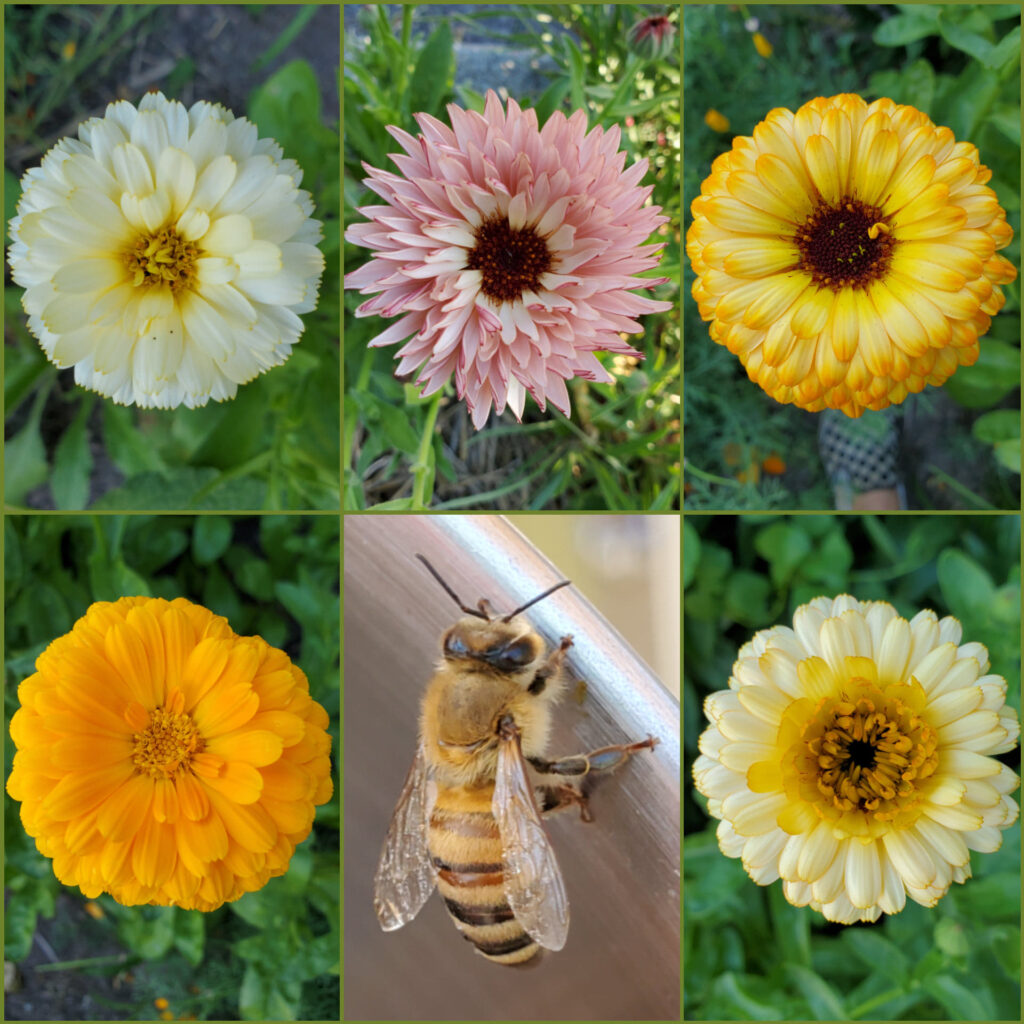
{"points": [[422, 468]]}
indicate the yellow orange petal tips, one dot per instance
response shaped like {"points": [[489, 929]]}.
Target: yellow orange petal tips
{"points": [[842, 198]]}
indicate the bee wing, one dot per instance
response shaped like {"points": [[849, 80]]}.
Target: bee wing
{"points": [[406, 875], [533, 880]]}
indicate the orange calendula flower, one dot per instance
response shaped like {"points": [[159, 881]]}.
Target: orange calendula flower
{"points": [[763, 47], [163, 759], [716, 121], [848, 253]]}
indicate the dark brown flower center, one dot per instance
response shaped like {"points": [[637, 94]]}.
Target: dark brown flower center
{"points": [[511, 260], [162, 259], [845, 246]]}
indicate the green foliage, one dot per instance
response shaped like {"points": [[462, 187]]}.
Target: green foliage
{"points": [[619, 449], [275, 446], [748, 954], [272, 955], [959, 64]]}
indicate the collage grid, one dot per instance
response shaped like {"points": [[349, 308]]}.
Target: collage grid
{"points": [[352, 527]]}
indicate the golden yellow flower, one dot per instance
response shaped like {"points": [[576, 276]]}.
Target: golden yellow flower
{"points": [[763, 47], [163, 759], [847, 253], [716, 121], [852, 757]]}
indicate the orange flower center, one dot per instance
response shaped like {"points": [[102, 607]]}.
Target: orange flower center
{"points": [[867, 750], [845, 246], [167, 743], [511, 260], [162, 259]]}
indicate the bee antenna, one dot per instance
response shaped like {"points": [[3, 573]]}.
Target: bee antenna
{"points": [[451, 593], [539, 597]]}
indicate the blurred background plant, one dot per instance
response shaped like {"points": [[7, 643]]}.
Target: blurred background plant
{"points": [[960, 65], [748, 954], [272, 955], [620, 448], [276, 445]]}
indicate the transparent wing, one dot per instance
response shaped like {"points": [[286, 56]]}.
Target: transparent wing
{"points": [[405, 875], [533, 880]]}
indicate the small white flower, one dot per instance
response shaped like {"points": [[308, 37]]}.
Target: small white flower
{"points": [[166, 253]]}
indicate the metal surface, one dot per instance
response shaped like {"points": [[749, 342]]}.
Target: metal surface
{"points": [[621, 961]]}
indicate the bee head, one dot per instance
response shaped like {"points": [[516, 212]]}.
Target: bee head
{"points": [[507, 647]]}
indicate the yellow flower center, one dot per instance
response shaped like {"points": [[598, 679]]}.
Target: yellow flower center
{"points": [[162, 259], [510, 260], [866, 750], [165, 746], [843, 246]]}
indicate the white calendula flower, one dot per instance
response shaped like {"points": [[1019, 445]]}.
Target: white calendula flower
{"points": [[166, 253], [852, 756]]}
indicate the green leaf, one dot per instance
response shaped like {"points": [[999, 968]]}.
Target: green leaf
{"points": [[913, 24], [25, 465], [392, 421], [148, 931], [691, 553], [748, 598], [990, 379], [264, 997], [998, 425], [958, 1001], [1007, 120], [72, 461], [784, 546], [825, 1002], [1008, 454], [434, 73], [966, 586], [190, 935], [210, 538]]}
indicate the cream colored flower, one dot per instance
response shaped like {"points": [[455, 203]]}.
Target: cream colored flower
{"points": [[166, 253], [852, 757]]}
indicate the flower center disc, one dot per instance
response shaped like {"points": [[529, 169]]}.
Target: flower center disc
{"points": [[166, 745], [867, 750], [848, 245], [162, 259], [511, 260]]}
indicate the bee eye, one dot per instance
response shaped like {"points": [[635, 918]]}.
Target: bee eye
{"points": [[513, 657], [454, 646]]}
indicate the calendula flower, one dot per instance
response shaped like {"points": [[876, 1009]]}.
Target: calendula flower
{"points": [[163, 759], [716, 121], [508, 252], [847, 253], [852, 757], [763, 47], [166, 253]]}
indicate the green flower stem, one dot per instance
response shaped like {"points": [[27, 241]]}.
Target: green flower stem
{"points": [[351, 411], [869, 1004], [92, 961], [689, 467], [422, 471]]}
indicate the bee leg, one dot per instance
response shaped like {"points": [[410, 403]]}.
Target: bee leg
{"points": [[605, 759], [558, 798], [585, 767], [551, 667]]}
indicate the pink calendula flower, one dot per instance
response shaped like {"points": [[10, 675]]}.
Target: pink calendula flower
{"points": [[508, 252]]}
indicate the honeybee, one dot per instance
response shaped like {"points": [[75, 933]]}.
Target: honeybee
{"points": [[468, 817]]}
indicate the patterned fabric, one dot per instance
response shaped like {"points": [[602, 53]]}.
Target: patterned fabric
{"points": [[861, 454]]}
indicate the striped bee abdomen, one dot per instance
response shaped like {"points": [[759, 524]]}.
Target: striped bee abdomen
{"points": [[465, 846]]}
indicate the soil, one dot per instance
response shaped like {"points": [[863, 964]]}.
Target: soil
{"points": [[71, 934]]}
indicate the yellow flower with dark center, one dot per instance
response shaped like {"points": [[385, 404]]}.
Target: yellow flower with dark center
{"points": [[847, 253], [163, 759], [852, 756]]}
